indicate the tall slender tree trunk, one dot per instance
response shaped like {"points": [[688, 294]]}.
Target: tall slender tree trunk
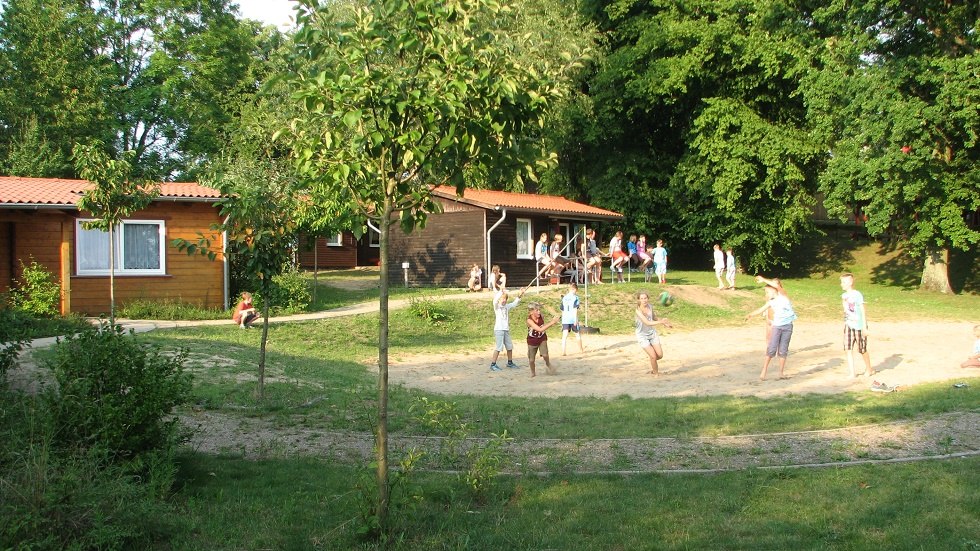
{"points": [[935, 271], [112, 278], [265, 337], [382, 428]]}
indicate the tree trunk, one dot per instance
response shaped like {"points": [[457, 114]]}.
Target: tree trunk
{"points": [[260, 392], [935, 272], [112, 280], [382, 428]]}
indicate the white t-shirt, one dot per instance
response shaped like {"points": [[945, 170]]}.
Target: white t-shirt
{"points": [[853, 302]]}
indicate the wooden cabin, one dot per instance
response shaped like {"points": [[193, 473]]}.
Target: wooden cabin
{"points": [[486, 228], [40, 221]]}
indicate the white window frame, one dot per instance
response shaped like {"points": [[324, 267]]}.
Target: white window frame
{"points": [[119, 247], [528, 237], [374, 238], [336, 241]]}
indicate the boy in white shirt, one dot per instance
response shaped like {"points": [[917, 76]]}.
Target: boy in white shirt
{"points": [[855, 324], [501, 328]]}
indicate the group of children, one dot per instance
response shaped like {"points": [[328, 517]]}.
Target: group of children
{"points": [[777, 311], [586, 263], [537, 327], [724, 265]]}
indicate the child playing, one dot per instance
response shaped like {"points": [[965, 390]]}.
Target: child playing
{"points": [[782, 325], [537, 338], [855, 324], [245, 313], [719, 264], [659, 255], [501, 328], [619, 257], [974, 360], [495, 283], [475, 282], [730, 268], [569, 317], [646, 331]]}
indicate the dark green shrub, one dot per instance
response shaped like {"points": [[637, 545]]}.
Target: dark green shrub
{"points": [[290, 292], [18, 324], [36, 291], [116, 394]]}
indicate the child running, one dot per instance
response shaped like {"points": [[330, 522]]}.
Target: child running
{"points": [[782, 325], [646, 331], [569, 317], [855, 324], [537, 338], [974, 360], [501, 328]]}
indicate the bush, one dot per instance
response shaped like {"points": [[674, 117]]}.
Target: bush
{"points": [[18, 324], [289, 292], [115, 394], [36, 291], [425, 309]]}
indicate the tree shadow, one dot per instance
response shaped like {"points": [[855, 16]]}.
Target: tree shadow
{"points": [[891, 362], [437, 266], [902, 270], [963, 273], [826, 254]]}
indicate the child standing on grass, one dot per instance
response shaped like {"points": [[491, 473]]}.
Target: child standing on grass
{"points": [[537, 338], [782, 326], [569, 317], [974, 360], [660, 262], [855, 324], [646, 331], [730, 267], [501, 328]]}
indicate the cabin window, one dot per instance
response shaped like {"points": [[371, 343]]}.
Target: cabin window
{"points": [[374, 238], [335, 240], [138, 248], [525, 239]]}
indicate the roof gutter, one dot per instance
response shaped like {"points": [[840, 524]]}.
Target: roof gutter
{"points": [[503, 217]]}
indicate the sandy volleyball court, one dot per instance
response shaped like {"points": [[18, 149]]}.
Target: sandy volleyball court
{"points": [[700, 363]]}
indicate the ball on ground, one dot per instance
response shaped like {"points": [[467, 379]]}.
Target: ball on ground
{"points": [[665, 299]]}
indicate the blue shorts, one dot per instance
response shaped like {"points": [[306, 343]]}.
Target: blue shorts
{"points": [[660, 268], [569, 327]]}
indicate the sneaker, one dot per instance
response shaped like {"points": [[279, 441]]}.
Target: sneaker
{"points": [[512, 365], [494, 367]]}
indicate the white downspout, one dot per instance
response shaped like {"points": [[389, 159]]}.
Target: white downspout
{"points": [[226, 284], [502, 218]]}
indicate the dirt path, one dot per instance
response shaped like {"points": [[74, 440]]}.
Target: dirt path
{"points": [[944, 436]]}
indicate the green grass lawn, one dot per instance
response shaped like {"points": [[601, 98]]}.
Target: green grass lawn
{"points": [[322, 375]]}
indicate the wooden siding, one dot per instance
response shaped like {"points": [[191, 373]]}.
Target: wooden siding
{"points": [[328, 256], [440, 254], [48, 238], [189, 279]]}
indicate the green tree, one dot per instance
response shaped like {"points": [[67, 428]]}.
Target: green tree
{"points": [[115, 195], [408, 95], [53, 83], [694, 125], [897, 100]]}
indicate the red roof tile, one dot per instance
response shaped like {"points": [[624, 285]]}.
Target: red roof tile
{"points": [[15, 190], [548, 204]]}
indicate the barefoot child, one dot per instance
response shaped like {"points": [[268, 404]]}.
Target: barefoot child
{"points": [[782, 326], [855, 324], [537, 338], [501, 328], [646, 330], [569, 317], [245, 313], [730, 268], [974, 360], [476, 275]]}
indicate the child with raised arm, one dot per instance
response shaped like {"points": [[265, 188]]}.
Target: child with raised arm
{"points": [[537, 338], [646, 331], [569, 317], [974, 360], [781, 326], [501, 328], [855, 324]]}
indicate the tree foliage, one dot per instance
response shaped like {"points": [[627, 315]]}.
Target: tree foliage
{"points": [[897, 99]]}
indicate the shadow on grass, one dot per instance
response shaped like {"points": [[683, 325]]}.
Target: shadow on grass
{"points": [[901, 270], [825, 254]]}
